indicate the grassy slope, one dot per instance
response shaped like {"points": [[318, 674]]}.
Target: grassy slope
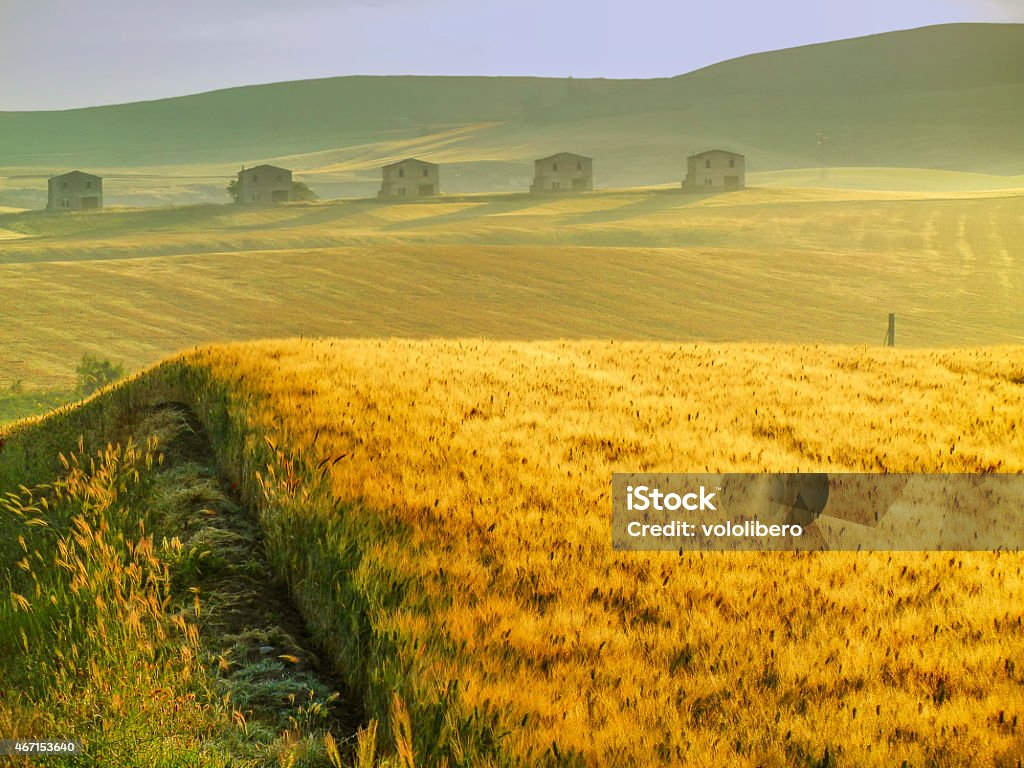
{"points": [[92, 648], [941, 97], [768, 265], [441, 511], [139, 615]]}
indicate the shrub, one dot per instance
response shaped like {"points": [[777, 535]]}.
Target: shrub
{"points": [[94, 373]]}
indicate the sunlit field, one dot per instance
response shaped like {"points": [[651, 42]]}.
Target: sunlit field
{"points": [[329, 483], [780, 265], [887, 179], [488, 466], [442, 512]]}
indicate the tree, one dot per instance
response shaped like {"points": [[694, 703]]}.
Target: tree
{"points": [[301, 192], [232, 189], [94, 373]]}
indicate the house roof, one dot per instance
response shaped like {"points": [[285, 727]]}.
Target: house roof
{"points": [[717, 152], [77, 175], [563, 154], [264, 167], [414, 160]]}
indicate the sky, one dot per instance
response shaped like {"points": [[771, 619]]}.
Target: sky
{"points": [[59, 54]]}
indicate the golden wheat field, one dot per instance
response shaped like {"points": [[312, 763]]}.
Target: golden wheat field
{"points": [[774, 265], [472, 479]]}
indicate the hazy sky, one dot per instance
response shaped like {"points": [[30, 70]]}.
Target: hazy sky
{"points": [[65, 53]]}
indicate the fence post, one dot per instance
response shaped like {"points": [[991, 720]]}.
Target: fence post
{"points": [[890, 336]]}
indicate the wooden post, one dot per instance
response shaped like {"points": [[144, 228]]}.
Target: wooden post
{"points": [[890, 337]]}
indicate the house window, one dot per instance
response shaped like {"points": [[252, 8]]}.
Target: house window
{"points": [[707, 163], [554, 166], [707, 182], [255, 179], [64, 185], [732, 162], [555, 185], [426, 171], [280, 178], [65, 203], [579, 165], [401, 191], [88, 185], [401, 172]]}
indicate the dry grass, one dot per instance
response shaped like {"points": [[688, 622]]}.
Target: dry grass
{"points": [[794, 266], [906, 179], [473, 478]]}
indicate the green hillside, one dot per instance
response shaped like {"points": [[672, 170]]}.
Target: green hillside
{"points": [[947, 97]]}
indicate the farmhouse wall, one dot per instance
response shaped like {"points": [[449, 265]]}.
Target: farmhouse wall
{"points": [[715, 170], [410, 178], [564, 172], [264, 184], [75, 191]]}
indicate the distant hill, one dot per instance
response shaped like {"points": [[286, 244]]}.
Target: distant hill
{"points": [[946, 97]]}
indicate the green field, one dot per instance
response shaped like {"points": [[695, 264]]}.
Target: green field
{"points": [[16, 404]]}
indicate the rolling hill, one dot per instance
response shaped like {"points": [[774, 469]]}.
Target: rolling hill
{"points": [[438, 504], [770, 265], [947, 97]]}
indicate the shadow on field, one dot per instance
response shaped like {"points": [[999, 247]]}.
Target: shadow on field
{"points": [[480, 210], [307, 216], [649, 202]]}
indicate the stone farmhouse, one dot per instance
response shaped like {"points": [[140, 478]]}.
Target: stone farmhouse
{"points": [[564, 172], [410, 178], [263, 185], [715, 170], [75, 191]]}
